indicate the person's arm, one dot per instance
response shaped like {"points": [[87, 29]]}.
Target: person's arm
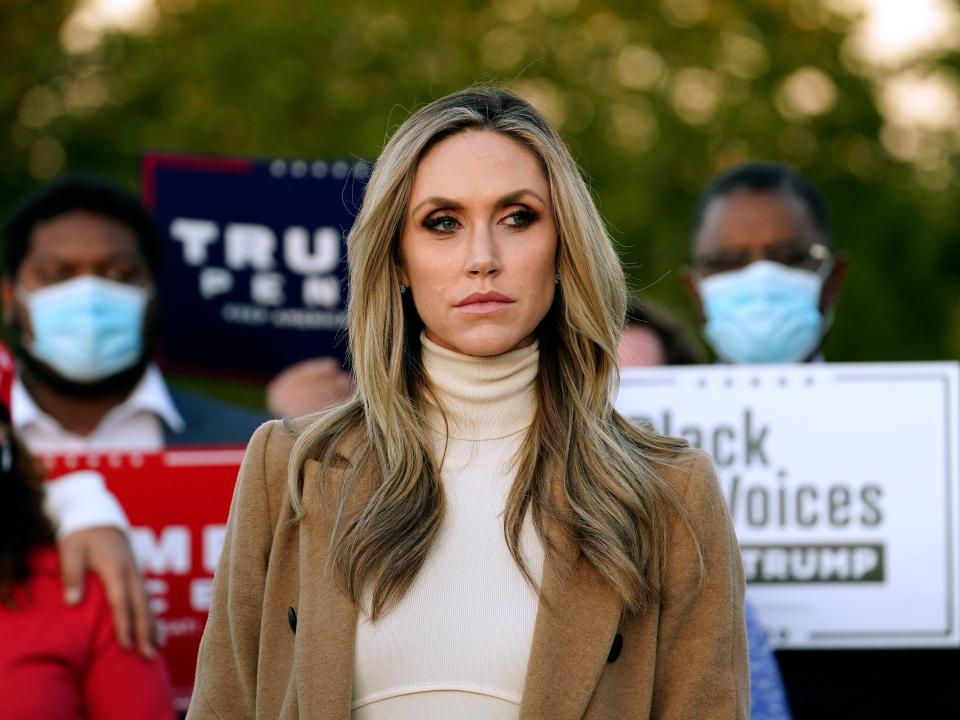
{"points": [[117, 683], [702, 668], [80, 500], [226, 680], [91, 535]]}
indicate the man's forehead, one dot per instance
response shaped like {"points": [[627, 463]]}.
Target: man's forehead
{"points": [[754, 220], [83, 234]]}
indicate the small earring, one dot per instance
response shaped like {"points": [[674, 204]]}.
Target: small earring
{"points": [[556, 279], [403, 288]]}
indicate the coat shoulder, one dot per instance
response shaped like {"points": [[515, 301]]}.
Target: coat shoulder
{"points": [[348, 447], [690, 472], [693, 479], [267, 457], [323, 470]]}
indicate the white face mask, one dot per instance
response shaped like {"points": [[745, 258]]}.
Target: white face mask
{"points": [[763, 313], [87, 328]]}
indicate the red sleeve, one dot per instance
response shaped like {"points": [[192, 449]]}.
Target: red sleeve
{"points": [[120, 683]]}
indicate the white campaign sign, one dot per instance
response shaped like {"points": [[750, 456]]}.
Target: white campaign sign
{"points": [[842, 480]]}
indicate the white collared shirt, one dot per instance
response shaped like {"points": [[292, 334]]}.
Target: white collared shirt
{"points": [[81, 500], [134, 424]]}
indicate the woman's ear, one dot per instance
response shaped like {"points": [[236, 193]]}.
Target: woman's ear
{"points": [[402, 274]]}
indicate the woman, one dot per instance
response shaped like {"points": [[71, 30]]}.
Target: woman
{"points": [[476, 533], [57, 662]]}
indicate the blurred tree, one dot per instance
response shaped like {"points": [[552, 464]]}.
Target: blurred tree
{"points": [[653, 97]]}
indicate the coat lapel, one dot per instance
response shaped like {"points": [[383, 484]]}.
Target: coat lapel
{"points": [[326, 619], [576, 623]]}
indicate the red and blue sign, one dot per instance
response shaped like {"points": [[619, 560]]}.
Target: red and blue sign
{"points": [[255, 259], [177, 502]]}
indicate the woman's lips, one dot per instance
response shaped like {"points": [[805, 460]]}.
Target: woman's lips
{"points": [[483, 303], [483, 307]]}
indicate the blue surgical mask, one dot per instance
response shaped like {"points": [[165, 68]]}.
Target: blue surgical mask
{"points": [[87, 328], [763, 313]]}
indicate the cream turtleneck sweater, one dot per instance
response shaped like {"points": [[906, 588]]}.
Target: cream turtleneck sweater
{"points": [[457, 644]]}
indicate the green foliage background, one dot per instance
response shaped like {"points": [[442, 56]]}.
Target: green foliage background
{"points": [[301, 78]]}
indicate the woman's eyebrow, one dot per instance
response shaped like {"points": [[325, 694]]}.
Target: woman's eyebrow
{"points": [[438, 201], [516, 195]]}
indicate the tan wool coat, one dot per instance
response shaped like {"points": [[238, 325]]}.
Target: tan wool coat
{"points": [[684, 659]]}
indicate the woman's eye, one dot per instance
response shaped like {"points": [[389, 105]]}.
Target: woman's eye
{"points": [[520, 218], [441, 223]]}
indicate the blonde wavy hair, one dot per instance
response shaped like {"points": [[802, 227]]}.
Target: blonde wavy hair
{"points": [[615, 507]]}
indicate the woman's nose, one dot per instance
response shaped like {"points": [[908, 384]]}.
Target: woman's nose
{"points": [[482, 255]]}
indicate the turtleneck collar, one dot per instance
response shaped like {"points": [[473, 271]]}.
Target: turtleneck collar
{"points": [[484, 398]]}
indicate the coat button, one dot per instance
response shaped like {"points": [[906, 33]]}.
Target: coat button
{"points": [[292, 619], [616, 648]]}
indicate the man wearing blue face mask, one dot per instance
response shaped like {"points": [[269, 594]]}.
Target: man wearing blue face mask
{"points": [[764, 281], [81, 258]]}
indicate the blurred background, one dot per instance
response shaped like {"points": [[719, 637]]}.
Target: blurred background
{"points": [[653, 96]]}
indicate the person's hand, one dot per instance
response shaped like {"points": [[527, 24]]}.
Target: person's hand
{"points": [[308, 386], [106, 551]]}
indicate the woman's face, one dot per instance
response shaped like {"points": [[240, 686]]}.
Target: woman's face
{"points": [[479, 244]]}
